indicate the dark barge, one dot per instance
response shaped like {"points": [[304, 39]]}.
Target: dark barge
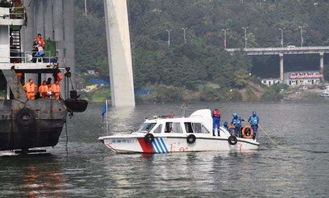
{"points": [[25, 123]]}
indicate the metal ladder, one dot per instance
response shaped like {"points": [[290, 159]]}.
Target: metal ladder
{"points": [[15, 46]]}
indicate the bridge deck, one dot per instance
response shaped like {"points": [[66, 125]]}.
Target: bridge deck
{"points": [[281, 50]]}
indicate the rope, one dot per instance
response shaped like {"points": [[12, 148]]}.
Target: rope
{"points": [[274, 142], [71, 83], [67, 138]]}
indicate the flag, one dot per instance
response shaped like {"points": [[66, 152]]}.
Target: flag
{"points": [[104, 111]]}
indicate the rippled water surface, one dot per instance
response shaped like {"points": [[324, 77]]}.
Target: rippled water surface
{"points": [[297, 167]]}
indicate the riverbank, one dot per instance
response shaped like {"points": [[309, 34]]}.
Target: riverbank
{"points": [[157, 94]]}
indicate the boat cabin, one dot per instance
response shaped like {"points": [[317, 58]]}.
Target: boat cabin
{"points": [[199, 123]]}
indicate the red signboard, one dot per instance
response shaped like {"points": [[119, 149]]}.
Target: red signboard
{"points": [[304, 76]]}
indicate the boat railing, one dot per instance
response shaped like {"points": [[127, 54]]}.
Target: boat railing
{"points": [[27, 57], [17, 13], [13, 13]]}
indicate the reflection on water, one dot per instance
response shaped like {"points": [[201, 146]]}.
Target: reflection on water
{"points": [[40, 181], [90, 170], [119, 117], [32, 176]]}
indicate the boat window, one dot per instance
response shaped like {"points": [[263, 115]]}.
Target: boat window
{"points": [[168, 128], [188, 127], [146, 127], [176, 127], [195, 128], [173, 127], [158, 129]]}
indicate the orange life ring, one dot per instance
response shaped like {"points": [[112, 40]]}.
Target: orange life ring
{"points": [[244, 132]]}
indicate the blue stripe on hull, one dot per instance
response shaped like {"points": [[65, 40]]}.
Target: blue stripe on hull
{"points": [[155, 148], [164, 145], [159, 146], [156, 141]]}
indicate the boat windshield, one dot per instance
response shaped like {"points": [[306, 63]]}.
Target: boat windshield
{"points": [[146, 127]]}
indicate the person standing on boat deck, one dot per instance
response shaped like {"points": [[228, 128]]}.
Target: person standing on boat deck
{"points": [[30, 89], [39, 41], [49, 87], [56, 89], [236, 122], [216, 122], [254, 120], [43, 89]]}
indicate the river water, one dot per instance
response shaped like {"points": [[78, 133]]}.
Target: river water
{"points": [[298, 167]]}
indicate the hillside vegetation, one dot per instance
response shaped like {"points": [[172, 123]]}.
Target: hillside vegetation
{"points": [[200, 59]]}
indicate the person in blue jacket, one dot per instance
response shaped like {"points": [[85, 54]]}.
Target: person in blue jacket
{"points": [[226, 125], [254, 121], [236, 122], [216, 122]]}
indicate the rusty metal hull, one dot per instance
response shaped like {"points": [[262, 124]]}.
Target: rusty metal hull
{"points": [[41, 130]]}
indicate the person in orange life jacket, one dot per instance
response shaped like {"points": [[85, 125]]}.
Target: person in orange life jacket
{"points": [[56, 89], [254, 120], [39, 41], [58, 75], [49, 87], [30, 89], [43, 90], [216, 122]]}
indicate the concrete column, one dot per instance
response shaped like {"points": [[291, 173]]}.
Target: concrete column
{"points": [[39, 17], [58, 19], [69, 34], [28, 32], [119, 53], [281, 68], [321, 65], [59, 29], [48, 13]]}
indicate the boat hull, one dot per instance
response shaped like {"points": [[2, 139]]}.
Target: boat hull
{"points": [[175, 144], [34, 124]]}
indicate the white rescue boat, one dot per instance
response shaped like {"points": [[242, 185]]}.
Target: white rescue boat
{"points": [[185, 134]]}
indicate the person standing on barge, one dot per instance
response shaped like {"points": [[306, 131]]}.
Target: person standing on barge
{"points": [[30, 88]]}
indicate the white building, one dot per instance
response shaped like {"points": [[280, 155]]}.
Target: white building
{"points": [[303, 78], [270, 81], [296, 78]]}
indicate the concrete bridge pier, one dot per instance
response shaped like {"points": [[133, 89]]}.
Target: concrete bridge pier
{"points": [[321, 65], [119, 53], [281, 68]]}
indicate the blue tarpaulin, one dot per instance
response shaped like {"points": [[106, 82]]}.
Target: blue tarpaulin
{"points": [[99, 82], [142, 92]]}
